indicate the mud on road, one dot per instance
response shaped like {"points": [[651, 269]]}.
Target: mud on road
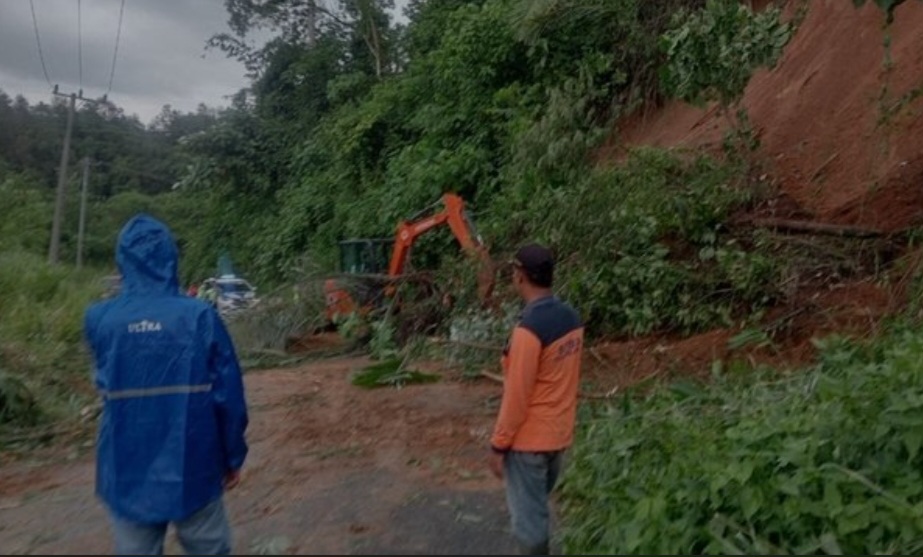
{"points": [[333, 469]]}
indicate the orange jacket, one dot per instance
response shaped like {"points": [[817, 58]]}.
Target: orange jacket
{"points": [[541, 370]]}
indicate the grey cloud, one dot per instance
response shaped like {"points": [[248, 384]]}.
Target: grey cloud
{"points": [[162, 57]]}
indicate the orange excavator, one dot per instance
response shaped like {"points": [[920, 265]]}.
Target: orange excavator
{"points": [[363, 260]]}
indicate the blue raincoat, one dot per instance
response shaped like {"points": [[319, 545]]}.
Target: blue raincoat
{"points": [[174, 412]]}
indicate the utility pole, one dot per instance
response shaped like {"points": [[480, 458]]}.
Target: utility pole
{"points": [[55, 247], [83, 211]]}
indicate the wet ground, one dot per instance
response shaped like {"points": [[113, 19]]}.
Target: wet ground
{"points": [[333, 469]]}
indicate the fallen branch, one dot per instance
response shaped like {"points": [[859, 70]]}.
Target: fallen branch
{"points": [[809, 227], [601, 396], [776, 324], [821, 168], [602, 361], [264, 352], [44, 433], [492, 376]]}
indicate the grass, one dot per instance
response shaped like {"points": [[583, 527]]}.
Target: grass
{"points": [[44, 366]]}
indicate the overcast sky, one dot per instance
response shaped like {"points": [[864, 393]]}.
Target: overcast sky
{"points": [[161, 57]]}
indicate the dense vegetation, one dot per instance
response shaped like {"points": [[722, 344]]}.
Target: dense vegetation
{"points": [[354, 122], [825, 461], [133, 168]]}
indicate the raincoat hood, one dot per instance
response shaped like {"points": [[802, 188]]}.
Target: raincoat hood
{"points": [[147, 257]]}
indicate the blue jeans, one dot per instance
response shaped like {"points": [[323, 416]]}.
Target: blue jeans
{"points": [[530, 478], [206, 532]]}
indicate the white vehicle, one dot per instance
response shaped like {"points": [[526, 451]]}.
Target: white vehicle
{"points": [[234, 294], [111, 286]]}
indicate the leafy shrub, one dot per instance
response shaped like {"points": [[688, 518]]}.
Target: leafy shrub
{"points": [[25, 213], [642, 246], [612, 44], [382, 344], [711, 53], [824, 461]]}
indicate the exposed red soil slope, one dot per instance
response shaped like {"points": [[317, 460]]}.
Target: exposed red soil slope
{"points": [[818, 115], [853, 309], [818, 112]]}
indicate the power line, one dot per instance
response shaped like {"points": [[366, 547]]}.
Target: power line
{"points": [[115, 53], [79, 45], [38, 41]]}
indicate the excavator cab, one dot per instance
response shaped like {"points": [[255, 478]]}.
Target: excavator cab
{"points": [[365, 256], [364, 264]]}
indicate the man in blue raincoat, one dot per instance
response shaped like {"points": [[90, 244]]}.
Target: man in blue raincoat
{"points": [[171, 439]]}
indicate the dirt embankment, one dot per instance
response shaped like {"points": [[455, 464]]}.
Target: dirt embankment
{"points": [[841, 136], [820, 117]]}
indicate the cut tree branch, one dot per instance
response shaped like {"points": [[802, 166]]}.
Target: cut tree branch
{"points": [[809, 227]]}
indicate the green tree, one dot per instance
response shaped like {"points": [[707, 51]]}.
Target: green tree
{"points": [[711, 53]]}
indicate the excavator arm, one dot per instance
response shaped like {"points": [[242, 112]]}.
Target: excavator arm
{"points": [[340, 302], [462, 228]]}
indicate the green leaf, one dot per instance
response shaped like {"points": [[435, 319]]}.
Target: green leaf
{"points": [[829, 544], [832, 498], [751, 500], [913, 440]]}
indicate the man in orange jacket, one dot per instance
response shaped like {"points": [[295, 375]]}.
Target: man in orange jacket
{"points": [[535, 425]]}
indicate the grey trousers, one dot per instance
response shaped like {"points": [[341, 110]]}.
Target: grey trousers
{"points": [[530, 478], [206, 532]]}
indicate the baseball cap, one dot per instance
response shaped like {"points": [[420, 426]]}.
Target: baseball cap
{"points": [[537, 262]]}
